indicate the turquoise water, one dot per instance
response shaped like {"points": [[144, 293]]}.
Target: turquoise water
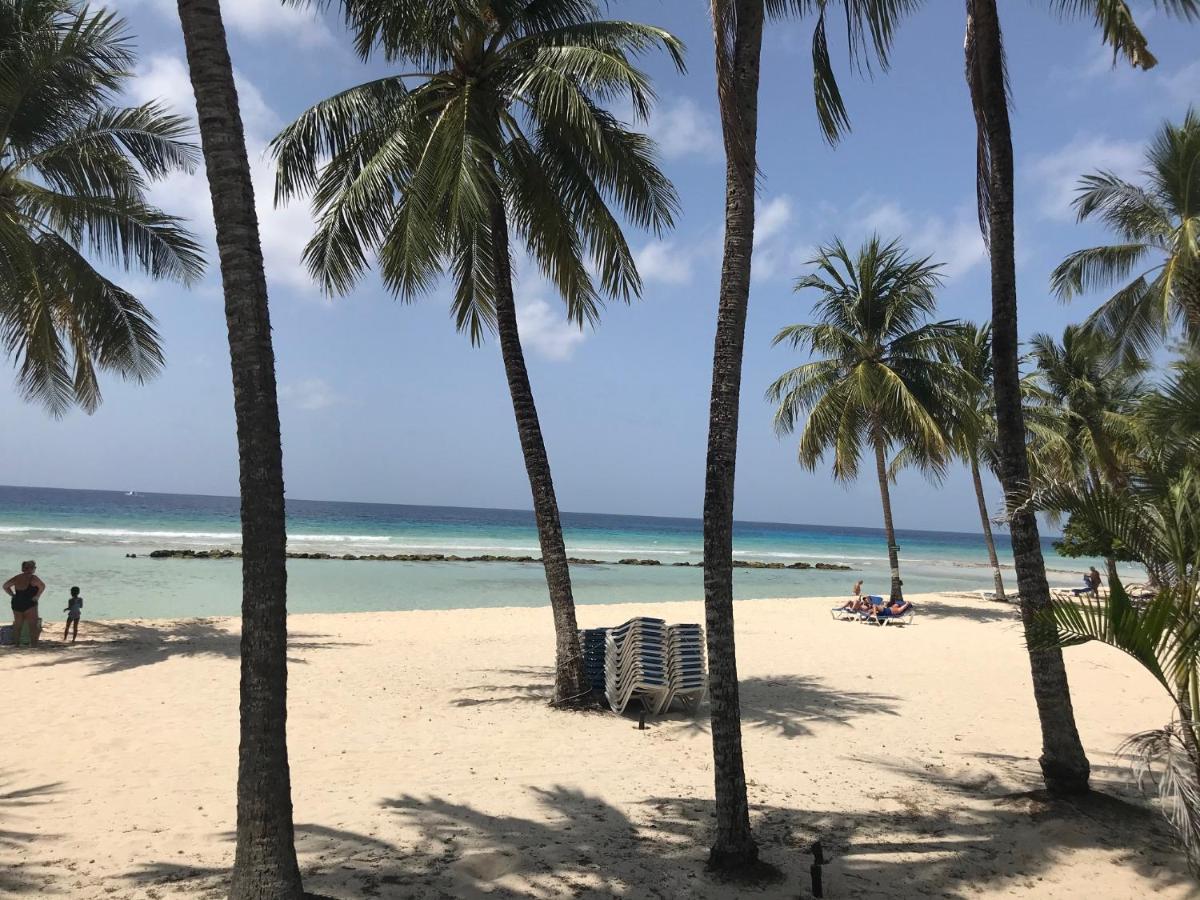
{"points": [[82, 538]]}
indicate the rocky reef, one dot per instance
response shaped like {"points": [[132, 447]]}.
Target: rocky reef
{"points": [[487, 557]]}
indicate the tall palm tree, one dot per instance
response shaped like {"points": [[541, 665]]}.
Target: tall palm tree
{"points": [[74, 169], [881, 374], [971, 423], [1158, 223], [265, 860], [738, 30], [501, 130], [1064, 765]]}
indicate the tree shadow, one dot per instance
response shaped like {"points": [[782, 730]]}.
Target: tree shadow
{"points": [[112, 647], [17, 874], [581, 845], [973, 609], [789, 705]]}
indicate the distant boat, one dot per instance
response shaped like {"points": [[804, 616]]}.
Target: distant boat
{"points": [[132, 494]]}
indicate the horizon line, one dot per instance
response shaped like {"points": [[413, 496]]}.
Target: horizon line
{"points": [[529, 511]]}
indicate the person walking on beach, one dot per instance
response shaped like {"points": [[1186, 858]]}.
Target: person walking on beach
{"points": [[25, 589], [74, 612], [1093, 580]]}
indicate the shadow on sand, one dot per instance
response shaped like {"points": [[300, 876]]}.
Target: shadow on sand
{"points": [[18, 805], [787, 704], [579, 845], [121, 647]]}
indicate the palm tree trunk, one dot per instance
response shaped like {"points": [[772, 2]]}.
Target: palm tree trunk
{"points": [[1064, 766], [265, 859], [893, 549], [571, 687], [987, 529], [738, 69]]}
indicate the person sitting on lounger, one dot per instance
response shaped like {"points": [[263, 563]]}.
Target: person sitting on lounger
{"points": [[855, 603], [895, 607]]}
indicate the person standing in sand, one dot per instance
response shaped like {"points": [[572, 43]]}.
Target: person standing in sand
{"points": [[25, 589], [74, 613]]}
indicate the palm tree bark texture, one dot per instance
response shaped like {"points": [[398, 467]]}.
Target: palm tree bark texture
{"points": [[988, 537], [571, 686], [738, 76], [1064, 765], [885, 496], [265, 859]]}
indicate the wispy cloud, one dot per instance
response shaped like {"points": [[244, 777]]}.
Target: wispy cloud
{"points": [[1056, 174], [283, 231], [545, 330], [309, 394], [666, 262], [954, 241], [682, 128], [257, 19]]}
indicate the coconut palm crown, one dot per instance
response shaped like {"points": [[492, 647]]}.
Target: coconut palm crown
{"points": [[504, 100], [1155, 267], [74, 171], [882, 372]]}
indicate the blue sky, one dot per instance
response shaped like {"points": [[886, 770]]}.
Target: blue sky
{"points": [[386, 402]]}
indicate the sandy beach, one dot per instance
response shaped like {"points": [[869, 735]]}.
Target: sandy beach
{"points": [[425, 762]]}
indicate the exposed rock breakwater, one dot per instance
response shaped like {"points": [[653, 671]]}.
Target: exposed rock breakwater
{"points": [[488, 557]]}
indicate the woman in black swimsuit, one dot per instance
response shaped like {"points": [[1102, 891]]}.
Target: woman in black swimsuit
{"points": [[25, 589]]}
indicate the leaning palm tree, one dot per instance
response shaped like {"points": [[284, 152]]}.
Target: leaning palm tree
{"points": [[1157, 223], [882, 372], [74, 169], [500, 133], [264, 865], [738, 31], [1064, 765], [971, 424]]}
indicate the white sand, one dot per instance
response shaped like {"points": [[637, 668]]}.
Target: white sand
{"points": [[426, 763]]}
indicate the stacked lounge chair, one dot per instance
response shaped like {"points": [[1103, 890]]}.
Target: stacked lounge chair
{"points": [[591, 643], [635, 664], [686, 677]]}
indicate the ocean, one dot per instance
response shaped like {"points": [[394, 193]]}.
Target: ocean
{"points": [[87, 538]]}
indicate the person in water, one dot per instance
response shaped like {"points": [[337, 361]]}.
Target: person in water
{"points": [[74, 612], [25, 589]]}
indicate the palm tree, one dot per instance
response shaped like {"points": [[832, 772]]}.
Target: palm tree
{"points": [[738, 29], [1064, 765], [1156, 517], [265, 860], [1159, 223], [501, 130], [74, 169], [1094, 391], [971, 426], [882, 372]]}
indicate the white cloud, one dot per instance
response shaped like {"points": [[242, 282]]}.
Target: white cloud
{"points": [[682, 128], [1056, 175], [771, 218], [283, 232], [545, 330], [953, 241], [309, 394], [1182, 86], [666, 262], [256, 19]]}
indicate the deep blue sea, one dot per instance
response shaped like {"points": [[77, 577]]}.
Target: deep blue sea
{"points": [[82, 538]]}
